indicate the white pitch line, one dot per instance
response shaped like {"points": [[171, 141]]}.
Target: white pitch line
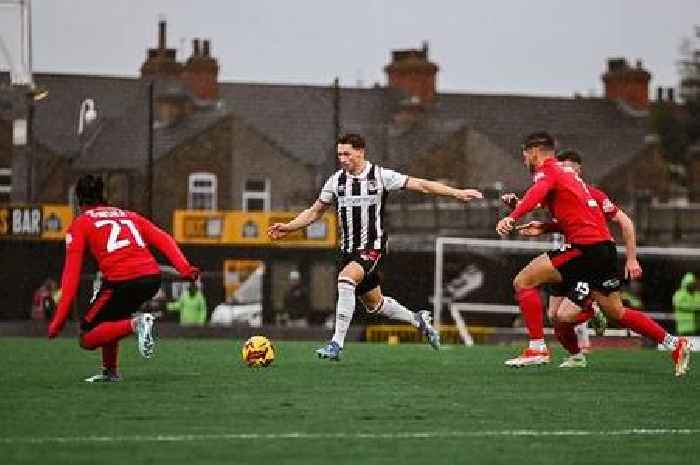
{"points": [[316, 436]]}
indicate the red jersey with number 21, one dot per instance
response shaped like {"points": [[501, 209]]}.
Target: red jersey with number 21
{"points": [[115, 238], [569, 201]]}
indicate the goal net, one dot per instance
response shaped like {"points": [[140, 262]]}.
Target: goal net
{"points": [[473, 281]]}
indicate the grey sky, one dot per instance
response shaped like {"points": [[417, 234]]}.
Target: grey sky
{"points": [[543, 47]]}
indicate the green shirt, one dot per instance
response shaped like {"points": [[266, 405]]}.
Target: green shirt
{"points": [[193, 309], [686, 304]]}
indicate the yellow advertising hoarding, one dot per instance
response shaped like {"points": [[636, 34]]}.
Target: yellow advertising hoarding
{"points": [[47, 221], [249, 228]]}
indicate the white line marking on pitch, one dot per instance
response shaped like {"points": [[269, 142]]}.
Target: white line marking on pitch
{"points": [[397, 435]]}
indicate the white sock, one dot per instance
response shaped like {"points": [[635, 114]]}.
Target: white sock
{"points": [[670, 342], [537, 344], [582, 335], [394, 310], [344, 310]]}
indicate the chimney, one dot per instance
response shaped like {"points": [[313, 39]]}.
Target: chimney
{"points": [[161, 34], [201, 72], [161, 62], [626, 84], [195, 48], [411, 72]]}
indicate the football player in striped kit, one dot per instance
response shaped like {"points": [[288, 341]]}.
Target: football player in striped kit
{"points": [[359, 191]]}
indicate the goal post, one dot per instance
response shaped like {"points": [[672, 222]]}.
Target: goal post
{"points": [[505, 257]]}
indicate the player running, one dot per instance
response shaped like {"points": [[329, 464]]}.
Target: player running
{"points": [[586, 266], [569, 318], [359, 191], [118, 240]]}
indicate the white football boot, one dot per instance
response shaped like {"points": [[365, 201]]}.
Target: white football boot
{"points": [[529, 357], [144, 332], [574, 361]]}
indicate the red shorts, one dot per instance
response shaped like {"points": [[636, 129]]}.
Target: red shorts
{"points": [[585, 268], [119, 300]]}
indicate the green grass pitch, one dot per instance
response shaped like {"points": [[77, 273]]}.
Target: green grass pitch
{"points": [[406, 404]]}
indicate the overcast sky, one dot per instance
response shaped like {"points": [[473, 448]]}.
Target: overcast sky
{"points": [[535, 47]]}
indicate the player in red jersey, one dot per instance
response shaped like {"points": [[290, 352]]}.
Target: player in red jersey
{"points": [[586, 266], [570, 318], [118, 240]]}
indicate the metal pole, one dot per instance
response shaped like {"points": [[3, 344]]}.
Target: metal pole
{"points": [[149, 167], [28, 18], [336, 118], [437, 281], [30, 147]]}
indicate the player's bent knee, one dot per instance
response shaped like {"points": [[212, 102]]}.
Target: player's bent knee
{"points": [[522, 282], [84, 344], [344, 283], [374, 308]]}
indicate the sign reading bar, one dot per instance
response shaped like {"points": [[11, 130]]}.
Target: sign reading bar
{"points": [[35, 221], [249, 228]]}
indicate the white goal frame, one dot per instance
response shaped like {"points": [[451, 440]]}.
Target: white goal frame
{"points": [[456, 309]]}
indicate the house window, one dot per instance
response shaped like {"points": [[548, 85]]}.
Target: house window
{"points": [[5, 184], [201, 191], [256, 195]]}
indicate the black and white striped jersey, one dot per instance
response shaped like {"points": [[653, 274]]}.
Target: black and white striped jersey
{"points": [[360, 203]]}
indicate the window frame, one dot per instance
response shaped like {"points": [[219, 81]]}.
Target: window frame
{"points": [[6, 188], [212, 190], [265, 195]]}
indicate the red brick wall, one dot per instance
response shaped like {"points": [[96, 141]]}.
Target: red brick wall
{"points": [[416, 83]]}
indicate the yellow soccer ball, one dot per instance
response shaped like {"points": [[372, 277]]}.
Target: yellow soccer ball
{"points": [[258, 352]]}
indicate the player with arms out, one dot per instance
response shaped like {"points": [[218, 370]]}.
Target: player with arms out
{"points": [[359, 191], [570, 318], [118, 240], [586, 266]]}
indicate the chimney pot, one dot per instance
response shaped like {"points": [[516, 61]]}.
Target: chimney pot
{"points": [[205, 52], [161, 34], [617, 64], [627, 84], [195, 48], [670, 94], [659, 94]]}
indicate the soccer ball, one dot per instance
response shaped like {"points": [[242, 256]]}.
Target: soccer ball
{"points": [[258, 352]]}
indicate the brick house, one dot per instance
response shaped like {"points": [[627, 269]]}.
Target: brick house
{"points": [[235, 146], [272, 145]]}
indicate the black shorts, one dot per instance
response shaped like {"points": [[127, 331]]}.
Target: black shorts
{"points": [[585, 268], [119, 300], [371, 261]]}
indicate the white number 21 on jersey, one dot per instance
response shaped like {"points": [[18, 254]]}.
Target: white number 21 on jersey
{"points": [[113, 241]]}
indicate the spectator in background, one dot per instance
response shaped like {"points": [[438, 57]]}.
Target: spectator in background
{"points": [[631, 295], [43, 303], [686, 305], [296, 300], [192, 307]]}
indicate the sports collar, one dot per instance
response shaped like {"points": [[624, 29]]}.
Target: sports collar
{"points": [[363, 173]]}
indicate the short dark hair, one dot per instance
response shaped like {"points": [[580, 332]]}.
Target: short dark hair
{"points": [[569, 155], [356, 140], [539, 139], [90, 190]]}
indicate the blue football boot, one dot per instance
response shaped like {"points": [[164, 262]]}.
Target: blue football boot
{"points": [[331, 351]]}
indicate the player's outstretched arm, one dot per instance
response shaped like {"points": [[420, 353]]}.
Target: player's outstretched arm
{"points": [[70, 279], [302, 220], [632, 268], [164, 242], [537, 228], [437, 188]]}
